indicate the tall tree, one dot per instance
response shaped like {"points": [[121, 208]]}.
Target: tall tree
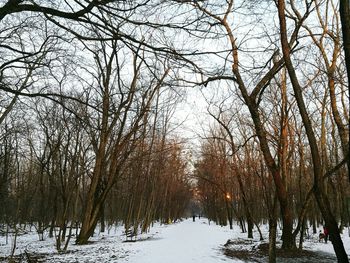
{"points": [[221, 16], [121, 110], [344, 8], [319, 191]]}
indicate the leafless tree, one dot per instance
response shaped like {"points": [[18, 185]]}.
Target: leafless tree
{"points": [[319, 191]]}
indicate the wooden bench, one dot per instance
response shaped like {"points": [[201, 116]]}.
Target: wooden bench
{"points": [[130, 234]]}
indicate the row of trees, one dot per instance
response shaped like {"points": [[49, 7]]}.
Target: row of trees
{"points": [[234, 183], [85, 120], [112, 67], [292, 87], [48, 166], [288, 79]]}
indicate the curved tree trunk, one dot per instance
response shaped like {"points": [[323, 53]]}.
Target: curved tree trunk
{"points": [[286, 210], [318, 189]]}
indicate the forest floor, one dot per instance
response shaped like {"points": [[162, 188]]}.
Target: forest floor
{"points": [[183, 242]]}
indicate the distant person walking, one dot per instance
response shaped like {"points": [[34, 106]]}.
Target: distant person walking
{"points": [[326, 233], [194, 218]]}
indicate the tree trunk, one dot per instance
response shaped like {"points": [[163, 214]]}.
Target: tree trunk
{"points": [[314, 228], [229, 212], [250, 226], [272, 239], [246, 205], [259, 230], [302, 232], [64, 230], [102, 219], [52, 227], [332, 225], [241, 222], [320, 196], [286, 210], [344, 8], [94, 198], [89, 224]]}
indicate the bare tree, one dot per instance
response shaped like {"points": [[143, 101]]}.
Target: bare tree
{"points": [[220, 15], [344, 9], [319, 191], [122, 108], [331, 57]]}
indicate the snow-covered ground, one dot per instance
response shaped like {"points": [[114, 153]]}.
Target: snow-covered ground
{"points": [[183, 242]]}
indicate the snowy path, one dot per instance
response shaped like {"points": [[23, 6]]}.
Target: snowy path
{"points": [[184, 242]]}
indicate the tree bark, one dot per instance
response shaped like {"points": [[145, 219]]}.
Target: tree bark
{"points": [[272, 239], [286, 211], [318, 188], [253, 106], [102, 219], [344, 8]]}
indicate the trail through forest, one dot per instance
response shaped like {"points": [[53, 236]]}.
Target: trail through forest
{"points": [[184, 242]]}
